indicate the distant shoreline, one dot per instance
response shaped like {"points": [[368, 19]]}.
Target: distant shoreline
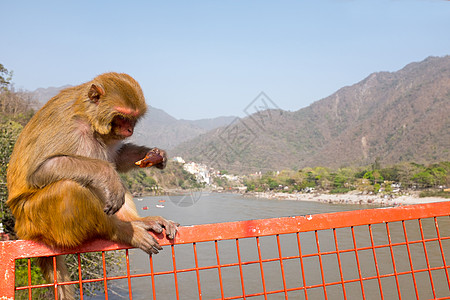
{"points": [[349, 198]]}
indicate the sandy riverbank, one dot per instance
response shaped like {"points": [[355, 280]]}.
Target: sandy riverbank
{"points": [[350, 198]]}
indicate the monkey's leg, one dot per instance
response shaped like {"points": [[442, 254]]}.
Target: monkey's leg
{"points": [[66, 214], [63, 214]]}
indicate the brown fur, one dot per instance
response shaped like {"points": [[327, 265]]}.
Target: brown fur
{"points": [[63, 184]]}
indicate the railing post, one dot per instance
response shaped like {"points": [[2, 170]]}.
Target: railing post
{"points": [[7, 271]]}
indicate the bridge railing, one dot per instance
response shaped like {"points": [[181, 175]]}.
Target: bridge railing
{"points": [[384, 253]]}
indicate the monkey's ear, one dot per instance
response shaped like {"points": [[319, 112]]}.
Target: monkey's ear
{"points": [[95, 92]]}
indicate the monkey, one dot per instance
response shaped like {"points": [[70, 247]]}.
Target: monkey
{"points": [[63, 175]]}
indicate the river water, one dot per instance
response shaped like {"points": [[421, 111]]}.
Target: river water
{"points": [[203, 208]]}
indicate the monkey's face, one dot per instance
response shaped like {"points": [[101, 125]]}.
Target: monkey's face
{"points": [[122, 127], [113, 105]]}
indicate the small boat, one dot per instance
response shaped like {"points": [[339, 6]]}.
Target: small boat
{"points": [[159, 206], [139, 199], [162, 200], [145, 208]]}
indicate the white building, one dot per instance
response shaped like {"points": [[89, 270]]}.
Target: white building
{"points": [[179, 159], [200, 171]]}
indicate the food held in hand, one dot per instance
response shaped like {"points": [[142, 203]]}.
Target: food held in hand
{"points": [[153, 157]]}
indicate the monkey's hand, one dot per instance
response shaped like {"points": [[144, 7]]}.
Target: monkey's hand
{"points": [[155, 157], [157, 224], [146, 241]]}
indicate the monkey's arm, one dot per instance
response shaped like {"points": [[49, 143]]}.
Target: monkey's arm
{"points": [[98, 175], [129, 154]]}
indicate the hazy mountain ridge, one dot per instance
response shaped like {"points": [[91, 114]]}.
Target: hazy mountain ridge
{"points": [[42, 95], [210, 123], [164, 131], [396, 116]]}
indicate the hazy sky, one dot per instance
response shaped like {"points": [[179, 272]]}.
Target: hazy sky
{"points": [[201, 59]]}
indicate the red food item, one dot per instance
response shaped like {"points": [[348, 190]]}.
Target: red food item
{"points": [[153, 157]]}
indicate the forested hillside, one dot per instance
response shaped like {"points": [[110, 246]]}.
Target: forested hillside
{"points": [[393, 117]]}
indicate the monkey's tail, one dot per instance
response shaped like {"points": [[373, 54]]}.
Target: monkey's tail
{"points": [[65, 292]]}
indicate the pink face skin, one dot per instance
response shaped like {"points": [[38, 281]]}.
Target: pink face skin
{"points": [[123, 127]]}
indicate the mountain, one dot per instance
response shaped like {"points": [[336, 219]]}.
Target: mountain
{"points": [[209, 124], [164, 131], [157, 128], [393, 116], [42, 95]]}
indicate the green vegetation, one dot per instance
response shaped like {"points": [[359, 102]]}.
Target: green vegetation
{"points": [[36, 278], [91, 265], [5, 78], [440, 193], [15, 112], [371, 179]]}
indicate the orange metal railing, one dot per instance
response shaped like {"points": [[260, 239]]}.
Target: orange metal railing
{"points": [[385, 253]]}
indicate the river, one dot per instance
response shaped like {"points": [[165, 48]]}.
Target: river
{"points": [[203, 208]]}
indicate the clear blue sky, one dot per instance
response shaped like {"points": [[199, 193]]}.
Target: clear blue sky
{"points": [[200, 59]]}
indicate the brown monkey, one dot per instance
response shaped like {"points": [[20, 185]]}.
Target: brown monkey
{"points": [[64, 187]]}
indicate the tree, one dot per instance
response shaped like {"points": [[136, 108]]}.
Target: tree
{"points": [[5, 78], [322, 177], [13, 105], [390, 173], [376, 165], [424, 179], [364, 185], [15, 111], [440, 174], [310, 180], [432, 176], [406, 171], [299, 179], [9, 132], [343, 180]]}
